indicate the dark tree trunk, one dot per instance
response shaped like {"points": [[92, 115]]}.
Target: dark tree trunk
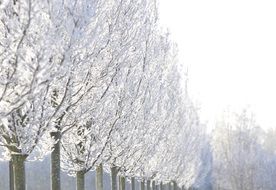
{"points": [[157, 187], [174, 185], [11, 176], [55, 162], [148, 184], [132, 183], [80, 180], [153, 185], [18, 165], [169, 186], [142, 185], [122, 183], [99, 177], [113, 178]]}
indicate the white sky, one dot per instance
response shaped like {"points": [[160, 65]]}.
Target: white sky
{"points": [[230, 49]]}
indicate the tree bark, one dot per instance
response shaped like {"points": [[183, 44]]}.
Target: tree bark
{"points": [[157, 186], [99, 177], [174, 185], [18, 166], [11, 175], [80, 180], [169, 186], [153, 185], [161, 186], [142, 183], [132, 183], [148, 184], [55, 162], [113, 178], [122, 183]]}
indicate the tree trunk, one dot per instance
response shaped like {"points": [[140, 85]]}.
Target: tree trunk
{"points": [[148, 184], [55, 162], [18, 166], [153, 185], [132, 183], [142, 185], [161, 186], [80, 180], [99, 177], [169, 186], [174, 185], [11, 175], [122, 183], [113, 178]]}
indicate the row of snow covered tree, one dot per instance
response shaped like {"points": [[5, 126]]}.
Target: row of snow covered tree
{"points": [[95, 84]]}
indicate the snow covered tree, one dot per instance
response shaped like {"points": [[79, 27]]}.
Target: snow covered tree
{"points": [[27, 71], [26, 52]]}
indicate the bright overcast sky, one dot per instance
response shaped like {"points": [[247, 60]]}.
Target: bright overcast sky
{"points": [[230, 49]]}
